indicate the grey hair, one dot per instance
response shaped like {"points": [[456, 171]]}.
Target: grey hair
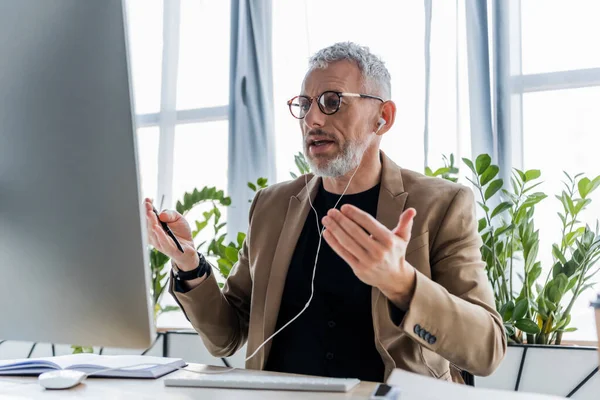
{"points": [[375, 74]]}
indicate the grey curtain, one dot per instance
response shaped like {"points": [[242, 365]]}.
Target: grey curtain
{"points": [[251, 121], [489, 79], [480, 91], [427, 47]]}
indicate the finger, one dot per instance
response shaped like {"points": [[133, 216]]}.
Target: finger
{"points": [[377, 230], [169, 216], [150, 216], [405, 224], [148, 205], [164, 241], [348, 243], [372, 247], [340, 250]]}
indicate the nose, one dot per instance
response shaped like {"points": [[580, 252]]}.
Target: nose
{"points": [[314, 117]]}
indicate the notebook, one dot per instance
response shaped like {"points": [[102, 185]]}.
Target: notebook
{"points": [[129, 366]]}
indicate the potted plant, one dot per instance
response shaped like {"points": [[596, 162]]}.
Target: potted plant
{"points": [[535, 307]]}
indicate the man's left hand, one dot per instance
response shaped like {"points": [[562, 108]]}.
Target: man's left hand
{"points": [[375, 253]]}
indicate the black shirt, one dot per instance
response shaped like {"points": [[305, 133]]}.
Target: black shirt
{"points": [[334, 337]]}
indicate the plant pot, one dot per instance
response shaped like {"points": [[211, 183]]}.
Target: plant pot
{"points": [[548, 369]]}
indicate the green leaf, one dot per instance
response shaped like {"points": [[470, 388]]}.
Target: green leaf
{"points": [[507, 310], [504, 229], [224, 267], [558, 255], [521, 175], [532, 174], [535, 273], [470, 165], [595, 184], [553, 294], [570, 267], [482, 224], [561, 282], [572, 236], [252, 186], [482, 162], [570, 204], [493, 188], [527, 326], [584, 186], [294, 176], [556, 269], [483, 207], [232, 254], [500, 208], [166, 309], [428, 172], [532, 187], [582, 204], [531, 256], [572, 282], [569, 329], [489, 174], [520, 310], [262, 182], [441, 171], [241, 236], [539, 288]]}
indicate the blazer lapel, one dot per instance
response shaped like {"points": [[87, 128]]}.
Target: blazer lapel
{"points": [[392, 196], [392, 199], [298, 209]]}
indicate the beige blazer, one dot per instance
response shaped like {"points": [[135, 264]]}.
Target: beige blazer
{"points": [[453, 301]]}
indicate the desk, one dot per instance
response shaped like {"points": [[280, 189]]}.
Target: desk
{"points": [[100, 388]]}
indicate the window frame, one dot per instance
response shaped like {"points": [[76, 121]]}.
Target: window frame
{"points": [[168, 117]]}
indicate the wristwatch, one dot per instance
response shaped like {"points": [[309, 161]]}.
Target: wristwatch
{"points": [[202, 269]]}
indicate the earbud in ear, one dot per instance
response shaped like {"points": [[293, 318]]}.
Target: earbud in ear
{"points": [[380, 124]]}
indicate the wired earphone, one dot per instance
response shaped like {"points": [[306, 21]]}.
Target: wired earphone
{"points": [[380, 123]]}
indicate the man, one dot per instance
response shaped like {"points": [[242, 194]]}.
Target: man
{"points": [[398, 280]]}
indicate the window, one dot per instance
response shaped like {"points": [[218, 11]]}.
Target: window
{"points": [[180, 99], [558, 93], [389, 35], [396, 37]]}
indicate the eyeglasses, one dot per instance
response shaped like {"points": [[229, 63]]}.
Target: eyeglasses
{"points": [[329, 102]]}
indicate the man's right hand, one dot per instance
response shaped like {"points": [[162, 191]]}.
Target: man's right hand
{"points": [[186, 261]]}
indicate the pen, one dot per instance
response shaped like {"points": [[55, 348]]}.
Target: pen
{"points": [[168, 230]]}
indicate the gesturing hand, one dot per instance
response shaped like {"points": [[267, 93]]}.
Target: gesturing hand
{"points": [[375, 253]]}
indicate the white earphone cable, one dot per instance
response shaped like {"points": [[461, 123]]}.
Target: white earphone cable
{"points": [[320, 232]]}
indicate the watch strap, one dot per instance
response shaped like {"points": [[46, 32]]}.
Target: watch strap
{"points": [[202, 269]]}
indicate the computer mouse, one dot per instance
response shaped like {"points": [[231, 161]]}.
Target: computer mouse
{"points": [[61, 379]]}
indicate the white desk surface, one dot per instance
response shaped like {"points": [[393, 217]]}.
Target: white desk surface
{"points": [[100, 388]]}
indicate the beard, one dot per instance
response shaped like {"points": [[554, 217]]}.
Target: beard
{"points": [[348, 158]]}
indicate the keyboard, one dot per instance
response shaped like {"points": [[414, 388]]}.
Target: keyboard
{"points": [[265, 382]]}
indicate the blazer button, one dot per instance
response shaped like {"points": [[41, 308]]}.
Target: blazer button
{"points": [[417, 329], [329, 356], [432, 340], [423, 333], [427, 337]]}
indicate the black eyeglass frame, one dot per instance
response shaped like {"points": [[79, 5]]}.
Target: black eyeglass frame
{"points": [[319, 97]]}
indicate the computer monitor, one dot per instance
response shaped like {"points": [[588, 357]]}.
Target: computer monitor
{"points": [[73, 253]]}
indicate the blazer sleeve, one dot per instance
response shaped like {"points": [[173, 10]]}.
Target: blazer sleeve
{"points": [[453, 313], [221, 317]]}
